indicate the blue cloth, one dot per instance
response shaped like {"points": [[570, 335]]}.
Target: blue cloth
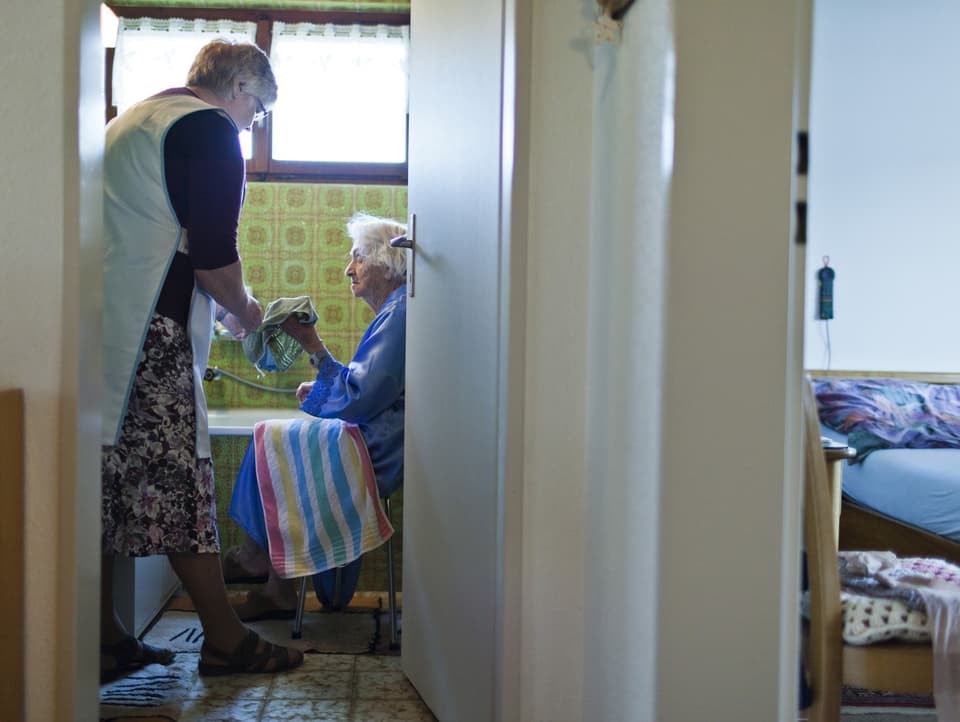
{"points": [[369, 392], [269, 348], [245, 506]]}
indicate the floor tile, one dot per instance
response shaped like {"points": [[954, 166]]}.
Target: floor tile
{"points": [[385, 685], [232, 686], [392, 711], [221, 710], [306, 710], [333, 662], [313, 684], [371, 663]]}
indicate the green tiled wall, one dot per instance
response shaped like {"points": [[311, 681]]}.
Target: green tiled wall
{"points": [[293, 242]]}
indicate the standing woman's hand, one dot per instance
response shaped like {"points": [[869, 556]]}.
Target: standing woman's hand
{"points": [[252, 314], [225, 285]]}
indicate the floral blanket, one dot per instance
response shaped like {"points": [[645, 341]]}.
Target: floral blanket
{"points": [[883, 413]]}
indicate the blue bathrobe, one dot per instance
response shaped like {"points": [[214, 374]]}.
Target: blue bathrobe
{"points": [[368, 392]]}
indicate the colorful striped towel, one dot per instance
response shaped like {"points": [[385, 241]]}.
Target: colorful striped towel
{"points": [[319, 494]]}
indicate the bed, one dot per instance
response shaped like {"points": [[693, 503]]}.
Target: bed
{"points": [[902, 491]]}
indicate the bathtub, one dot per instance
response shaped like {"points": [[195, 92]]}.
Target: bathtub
{"points": [[239, 422]]}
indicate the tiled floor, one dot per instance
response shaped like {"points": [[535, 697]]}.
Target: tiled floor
{"points": [[327, 688]]}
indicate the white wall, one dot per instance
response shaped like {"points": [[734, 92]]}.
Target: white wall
{"points": [[50, 205], [554, 419], [661, 475], [632, 151], [885, 184], [729, 473]]}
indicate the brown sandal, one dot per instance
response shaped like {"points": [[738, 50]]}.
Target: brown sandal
{"points": [[247, 659]]}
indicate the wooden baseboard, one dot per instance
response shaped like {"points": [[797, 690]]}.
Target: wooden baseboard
{"points": [[11, 555], [362, 600]]}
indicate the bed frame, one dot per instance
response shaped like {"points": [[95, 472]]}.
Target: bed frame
{"points": [[864, 529]]}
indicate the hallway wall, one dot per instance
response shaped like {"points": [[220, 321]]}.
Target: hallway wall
{"points": [[884, 162], [50, 204]]}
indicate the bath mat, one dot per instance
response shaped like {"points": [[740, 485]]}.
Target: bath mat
{"points": [[348, 632], [857, 714], [856, 697], [868, 705], [155, 691]]}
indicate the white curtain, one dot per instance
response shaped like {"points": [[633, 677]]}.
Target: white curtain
{"points": [[155, 54], [343, 92]]}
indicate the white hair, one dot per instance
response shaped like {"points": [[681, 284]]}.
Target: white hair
{"points": [[371, 240]]}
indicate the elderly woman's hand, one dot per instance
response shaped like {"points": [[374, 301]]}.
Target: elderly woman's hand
{"points": [[304, 333], [303, 391]]}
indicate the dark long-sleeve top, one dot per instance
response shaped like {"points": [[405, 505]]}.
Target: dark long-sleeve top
{"points": [[369, 391], [205, 175]]}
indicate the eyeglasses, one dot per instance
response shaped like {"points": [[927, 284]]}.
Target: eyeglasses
{"points": [[261, 110]]}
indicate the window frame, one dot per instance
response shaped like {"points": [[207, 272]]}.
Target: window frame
{"points": [[261, 167]]}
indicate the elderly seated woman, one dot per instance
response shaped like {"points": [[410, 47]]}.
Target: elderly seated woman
{"points": [[367, 392]]}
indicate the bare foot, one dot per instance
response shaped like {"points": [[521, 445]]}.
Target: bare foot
{"points": [[247, 562]]}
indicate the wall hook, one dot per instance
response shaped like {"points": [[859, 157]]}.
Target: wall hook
{"points": [[616, 9]]}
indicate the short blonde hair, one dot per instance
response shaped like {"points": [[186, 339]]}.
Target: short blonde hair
{"points": [[371, 239], [221, 62]]}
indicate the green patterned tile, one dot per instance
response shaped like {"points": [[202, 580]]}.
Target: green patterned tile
{"points": [[295, 277], [260, 199], [376, 200], [296, 238], [364, 315], [334, 314], [258, 273], [295, 198], [256, 234], [330, 276], [339, 346], [335, 201], [332, 237]]}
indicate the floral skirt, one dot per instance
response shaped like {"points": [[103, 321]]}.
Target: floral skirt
{"points": [[158, 497]]}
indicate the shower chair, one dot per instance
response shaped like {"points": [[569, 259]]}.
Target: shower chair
{"points": [[297, 631]]}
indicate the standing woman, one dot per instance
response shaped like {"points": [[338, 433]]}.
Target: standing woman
{"points": [[174, 182]]}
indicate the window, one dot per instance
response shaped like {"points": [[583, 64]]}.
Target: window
{"points": [[154, 54], [344, 93], [341, 114]]}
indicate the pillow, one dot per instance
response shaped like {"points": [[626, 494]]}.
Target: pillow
{"points": [[869, 620]]}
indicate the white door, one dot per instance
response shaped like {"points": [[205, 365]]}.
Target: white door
{"points": [[451, 553]]}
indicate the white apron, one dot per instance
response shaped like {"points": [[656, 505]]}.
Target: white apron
{"points": [[141, 234]]}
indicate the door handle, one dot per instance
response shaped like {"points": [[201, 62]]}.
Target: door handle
{"points": [[408, 240]]}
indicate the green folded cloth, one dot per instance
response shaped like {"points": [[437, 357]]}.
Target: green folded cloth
{"points": [[269, 348]]}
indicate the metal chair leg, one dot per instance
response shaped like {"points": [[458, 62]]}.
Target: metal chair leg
{"points": [[297, 632], [391, 588]]}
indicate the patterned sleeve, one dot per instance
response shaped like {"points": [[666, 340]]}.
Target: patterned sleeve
{"points": [[372, 381]]}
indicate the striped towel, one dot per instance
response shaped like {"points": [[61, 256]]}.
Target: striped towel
{"points": [[319, 494]]}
